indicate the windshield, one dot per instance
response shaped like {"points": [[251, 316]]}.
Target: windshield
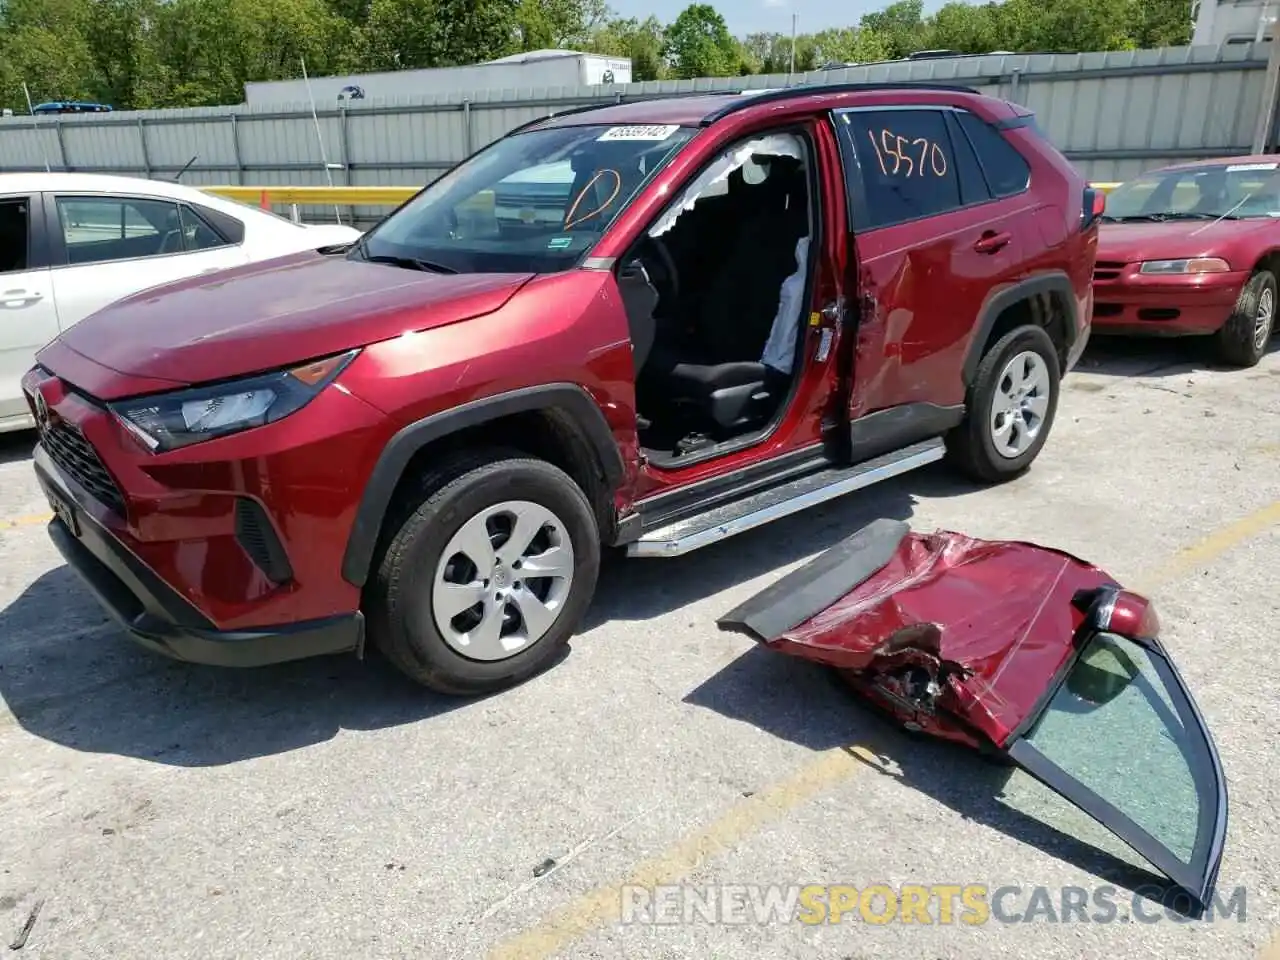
{"points": [[1232, 191], [533, 202]]}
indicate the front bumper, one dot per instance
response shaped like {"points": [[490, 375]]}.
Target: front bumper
{"points": [[1132, 303], [157, 616]]}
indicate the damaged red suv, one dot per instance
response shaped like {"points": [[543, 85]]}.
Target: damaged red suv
{"points": [[650, 325]]}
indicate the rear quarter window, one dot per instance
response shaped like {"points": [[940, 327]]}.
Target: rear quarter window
{"points": [[1006, 170]]}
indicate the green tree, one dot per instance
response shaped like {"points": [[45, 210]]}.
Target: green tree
{"points": [[849, 45], [698, 44], [900, 26], [559, 24], [641, 40]]}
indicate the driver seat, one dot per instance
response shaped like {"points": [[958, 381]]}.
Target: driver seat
{"points": [[720, 374]]}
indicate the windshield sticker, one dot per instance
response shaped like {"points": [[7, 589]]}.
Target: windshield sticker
{"points": [[559, 243], [1237, 167], [648, 132]]}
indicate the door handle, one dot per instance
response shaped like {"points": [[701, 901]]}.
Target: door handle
{"points": [[16, 299], [992, 242]]}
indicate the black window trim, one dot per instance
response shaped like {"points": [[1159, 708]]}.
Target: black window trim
{"points": [[855, 192], [59, 259]]}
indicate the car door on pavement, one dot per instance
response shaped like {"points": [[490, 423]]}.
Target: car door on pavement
{"points": [[113, 246], [28, 317], [933, 235]]}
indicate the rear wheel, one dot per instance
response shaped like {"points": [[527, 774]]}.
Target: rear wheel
{"points": [[1011, 405], [1242, 340], [488, 572]]}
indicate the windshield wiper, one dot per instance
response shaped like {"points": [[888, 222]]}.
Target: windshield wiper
{"points": [[361, 249], [412, 263], [1166, 217]]}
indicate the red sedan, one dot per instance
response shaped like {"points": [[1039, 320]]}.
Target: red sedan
{"points": [[1193, 249]]}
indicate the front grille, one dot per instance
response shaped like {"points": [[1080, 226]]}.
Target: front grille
{"points": [[1107, 269], [76, 457], [1108, 309]]}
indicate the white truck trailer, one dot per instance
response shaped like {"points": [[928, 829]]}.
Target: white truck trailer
{"points": [[539, 68]]}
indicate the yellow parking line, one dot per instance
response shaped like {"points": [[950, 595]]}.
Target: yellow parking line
{"points": [[602, 906], [1217, 543], [27, 521]]}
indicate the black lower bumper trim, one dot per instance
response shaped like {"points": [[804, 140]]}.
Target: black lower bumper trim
{"points": [[160, 619]]}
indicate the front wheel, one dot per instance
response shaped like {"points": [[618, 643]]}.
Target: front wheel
{"points": [[1010, 407], [1242, 340], [488, 572]]}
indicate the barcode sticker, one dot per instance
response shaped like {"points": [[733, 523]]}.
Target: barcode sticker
{"points": [[646, 132]]}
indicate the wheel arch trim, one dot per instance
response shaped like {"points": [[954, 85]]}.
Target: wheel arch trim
{"points": [[1054, 282], [570, 399]]}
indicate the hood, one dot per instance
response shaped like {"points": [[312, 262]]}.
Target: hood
{"points": [[991, 621], [276, 313], [1132, 242]]}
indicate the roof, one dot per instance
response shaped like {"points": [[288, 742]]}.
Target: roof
{"points": [[704, 108], [104, 182]]}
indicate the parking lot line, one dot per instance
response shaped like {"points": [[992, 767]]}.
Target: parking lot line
{"points": [[27, 521], [601, 906]]}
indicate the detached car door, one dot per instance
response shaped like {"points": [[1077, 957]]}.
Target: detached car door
{"points": [[108, 247], [28, 317], [1010, 648]]}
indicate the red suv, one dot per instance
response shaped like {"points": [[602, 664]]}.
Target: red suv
{"points": [[651, 325]]}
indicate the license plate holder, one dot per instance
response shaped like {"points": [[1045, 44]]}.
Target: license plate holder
{"points": [[64, 511]]}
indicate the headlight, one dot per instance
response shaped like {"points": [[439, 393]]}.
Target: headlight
{"points": [[1194, 265], [167, 421]]}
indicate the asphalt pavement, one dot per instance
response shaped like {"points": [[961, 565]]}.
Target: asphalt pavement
{"points": [[330, 809]]}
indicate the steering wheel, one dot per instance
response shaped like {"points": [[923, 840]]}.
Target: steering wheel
{"points": [[670, 274]]}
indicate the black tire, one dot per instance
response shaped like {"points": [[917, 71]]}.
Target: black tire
{"points": [[970, 445], [1237, 341], [399, 600]]}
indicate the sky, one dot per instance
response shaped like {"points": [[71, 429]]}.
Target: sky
{"points": [[754, 16]]}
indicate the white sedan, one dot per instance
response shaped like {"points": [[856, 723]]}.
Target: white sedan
{"points": [[71, 243]]}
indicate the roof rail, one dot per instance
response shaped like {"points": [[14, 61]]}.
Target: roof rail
{"points": [[805, 90], [584, 108]]}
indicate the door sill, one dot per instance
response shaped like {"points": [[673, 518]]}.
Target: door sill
{"points": [[681, 536]]}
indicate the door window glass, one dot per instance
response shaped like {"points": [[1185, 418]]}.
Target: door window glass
{"points": [[1113, 729], [14, 235], [102, 229], [907, 163]]}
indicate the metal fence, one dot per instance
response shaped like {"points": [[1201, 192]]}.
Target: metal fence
{"points": [[1113, 114]]}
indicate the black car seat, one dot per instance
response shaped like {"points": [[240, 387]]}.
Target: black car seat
{"points": [[719, 373]]}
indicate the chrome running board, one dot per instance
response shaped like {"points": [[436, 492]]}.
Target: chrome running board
{"points": [[773, 503]]}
